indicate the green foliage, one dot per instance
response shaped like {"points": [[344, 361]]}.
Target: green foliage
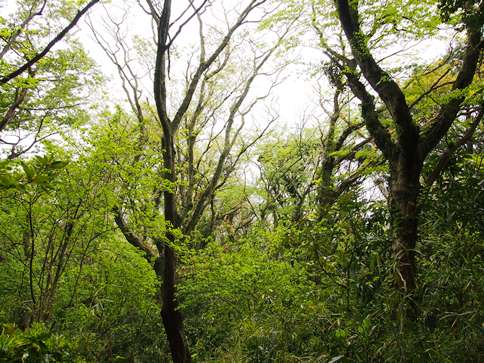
{"points": [[273, 272], [110, 310], [470, 13], [46, 99], [288, 168], [36, 345], [39, 171], [241, 298], [85, 281]]}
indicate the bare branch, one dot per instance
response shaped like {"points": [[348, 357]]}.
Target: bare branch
{"points": [[130, 236], [20, 95], [448, 112], [444, 159]]}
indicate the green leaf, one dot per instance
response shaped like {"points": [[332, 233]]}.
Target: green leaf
{"points": [[29, 171], [58, 164]]}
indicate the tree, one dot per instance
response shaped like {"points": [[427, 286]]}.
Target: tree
{"points": [[407, 142], [172, 318], [41, 87], [56, 226], [214, 104], [305, 174]]}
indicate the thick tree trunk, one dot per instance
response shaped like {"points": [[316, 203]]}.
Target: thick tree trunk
{"points": [[404, 192], [172, 317]]}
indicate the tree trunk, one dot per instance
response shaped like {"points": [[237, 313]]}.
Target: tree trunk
{"points": [[404, 192], [172, 317]]}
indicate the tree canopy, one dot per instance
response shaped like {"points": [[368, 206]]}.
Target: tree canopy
{"points": [[158, 202]]}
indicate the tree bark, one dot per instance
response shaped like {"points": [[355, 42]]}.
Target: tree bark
{"points": [[172, 317], [165, 266], [404, 191]]}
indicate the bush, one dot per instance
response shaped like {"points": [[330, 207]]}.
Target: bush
{"points": [[35, 345]]}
